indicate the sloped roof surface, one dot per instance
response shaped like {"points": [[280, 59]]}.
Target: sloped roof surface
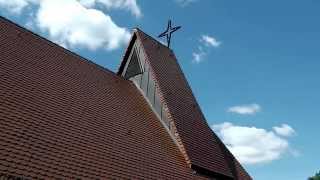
{"points": [[203, 148], [62, 116]]}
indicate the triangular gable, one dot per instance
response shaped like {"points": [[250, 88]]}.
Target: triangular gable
{"points": [[202, 149], [136, 68]]}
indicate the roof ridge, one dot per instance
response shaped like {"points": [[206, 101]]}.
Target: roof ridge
{"points": [[135, 33], [152, 38], [53, 44]]}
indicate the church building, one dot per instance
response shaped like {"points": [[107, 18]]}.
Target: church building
{"points": [[64, 117]]}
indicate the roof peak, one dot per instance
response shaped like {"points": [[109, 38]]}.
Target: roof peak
{"points": [[138, 30]]}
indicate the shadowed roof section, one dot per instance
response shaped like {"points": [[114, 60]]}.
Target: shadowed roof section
{"points": [[204, 150], [62, 116]]}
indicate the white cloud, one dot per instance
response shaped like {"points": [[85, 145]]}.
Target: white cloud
{"points": [[14, 6], [203, 49], [73, 23], [76, 25], [184, 3], [198, 56], [251, 145], [247, 109], [210, 41], [284, 130], [130, 5]]}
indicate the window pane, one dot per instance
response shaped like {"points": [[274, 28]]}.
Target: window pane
{"points": [[141, 56], [157, 104], [151, 90], [165, 117], [144, 83]]}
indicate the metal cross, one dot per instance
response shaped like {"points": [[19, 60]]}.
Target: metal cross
{"points": [[168, 32]]}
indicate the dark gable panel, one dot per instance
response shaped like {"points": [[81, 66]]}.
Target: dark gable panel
{"points": [[134, 67]]}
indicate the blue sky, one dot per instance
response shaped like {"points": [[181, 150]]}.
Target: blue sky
{"points": [[253, 65]]}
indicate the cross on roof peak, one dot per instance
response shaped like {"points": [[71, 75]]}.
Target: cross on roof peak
{"points": [[168, 32]]}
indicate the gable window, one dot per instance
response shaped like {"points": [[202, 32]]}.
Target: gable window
{"points": [[138, 71]]}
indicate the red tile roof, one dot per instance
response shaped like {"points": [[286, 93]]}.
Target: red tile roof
{"points": [[202, 148], [62, 116]]}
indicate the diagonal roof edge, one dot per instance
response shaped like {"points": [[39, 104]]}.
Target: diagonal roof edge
{"points": [[129, 47], [127, 53]]}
